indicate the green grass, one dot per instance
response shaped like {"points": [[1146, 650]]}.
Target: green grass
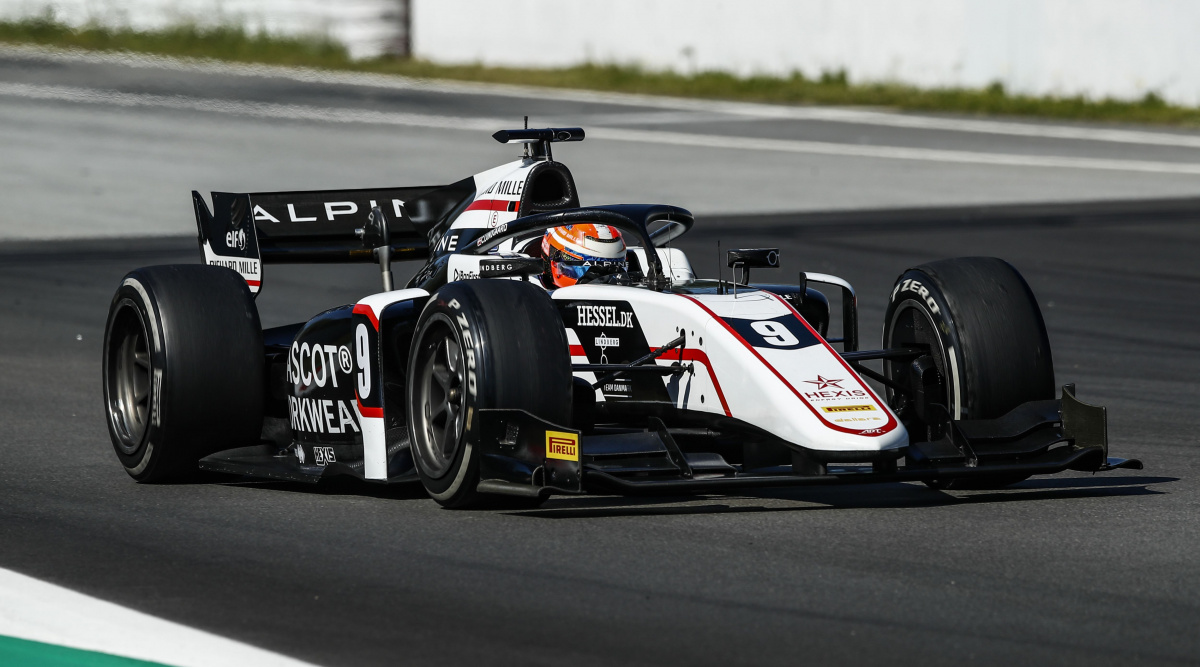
{"points": [[234, 43]]}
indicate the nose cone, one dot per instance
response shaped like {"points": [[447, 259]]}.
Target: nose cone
{"points": [[789, 381]]}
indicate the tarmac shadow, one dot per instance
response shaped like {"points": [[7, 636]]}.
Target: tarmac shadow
{"points": [[791, 499], [875, 496], [334, 486]]}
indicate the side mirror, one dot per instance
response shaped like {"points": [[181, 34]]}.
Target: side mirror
{"points": [[766, 258], [375, 233]]}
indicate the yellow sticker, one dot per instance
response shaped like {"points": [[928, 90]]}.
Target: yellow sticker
{"points": [[849, 408], [561, 445]]}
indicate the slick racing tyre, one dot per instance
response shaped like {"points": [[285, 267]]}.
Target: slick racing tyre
{"points": [[183, 368], [481, 344], [985, 336]]}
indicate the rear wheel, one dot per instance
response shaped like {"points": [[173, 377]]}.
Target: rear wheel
{"points": [[481, 344], [986, 343], [182, 368]]}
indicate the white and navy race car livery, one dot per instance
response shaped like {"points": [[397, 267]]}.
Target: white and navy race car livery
{"points": [[479, 378]]}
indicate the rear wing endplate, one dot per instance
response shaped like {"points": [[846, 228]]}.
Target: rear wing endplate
{"points": [[245, 230]]}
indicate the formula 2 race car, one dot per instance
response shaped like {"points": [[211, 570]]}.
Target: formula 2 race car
{"points": [[479, 382]]}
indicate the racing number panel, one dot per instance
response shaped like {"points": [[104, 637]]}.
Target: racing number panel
{"points": [[785, 332]]}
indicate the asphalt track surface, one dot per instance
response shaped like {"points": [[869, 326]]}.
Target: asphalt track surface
{"points": [[1068, 569]]}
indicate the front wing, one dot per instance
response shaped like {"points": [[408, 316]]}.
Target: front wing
{"points": [[523, 455]]}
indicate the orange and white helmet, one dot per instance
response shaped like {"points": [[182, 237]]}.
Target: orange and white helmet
{"points": [[574, 249]]}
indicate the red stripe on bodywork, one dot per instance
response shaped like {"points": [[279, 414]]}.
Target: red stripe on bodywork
{"points": [[681, 356], [373, 413], [886, 428], [364, 309], [700, 357], [493, 205], [254, 283]]}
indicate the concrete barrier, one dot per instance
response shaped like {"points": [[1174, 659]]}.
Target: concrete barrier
{"points": [[1098, 48], [367, 27]]}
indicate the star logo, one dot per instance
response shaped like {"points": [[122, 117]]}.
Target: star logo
{"points": [[823, 383]]}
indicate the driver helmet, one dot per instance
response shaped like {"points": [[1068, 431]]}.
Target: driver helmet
{"points": [[573, 250]]}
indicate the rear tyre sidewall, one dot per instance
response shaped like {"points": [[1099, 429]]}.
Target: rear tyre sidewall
{"points": [[204, 368], [133, 439]]}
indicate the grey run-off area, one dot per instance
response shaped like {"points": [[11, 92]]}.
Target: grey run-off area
{"points": [[1070, 569]]}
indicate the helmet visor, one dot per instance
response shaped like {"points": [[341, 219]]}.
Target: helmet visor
{"points": [[571, 269]]}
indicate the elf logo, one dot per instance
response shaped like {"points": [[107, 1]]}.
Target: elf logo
{"points": [[236, 240]]}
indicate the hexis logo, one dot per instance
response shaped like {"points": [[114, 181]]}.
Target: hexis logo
{"points": [[823, 383]]}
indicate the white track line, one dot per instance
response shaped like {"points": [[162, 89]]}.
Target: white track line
{"points": [[893, 152], [744, 109], [38, 611], [336, 115], [256, 109]]}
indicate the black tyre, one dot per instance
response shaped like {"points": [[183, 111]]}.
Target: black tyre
{"points": [[481, 344], [183, 368], [985, 335]]}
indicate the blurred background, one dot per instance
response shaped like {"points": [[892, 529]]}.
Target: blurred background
{"points": [[367, 28], [1035, 47]]}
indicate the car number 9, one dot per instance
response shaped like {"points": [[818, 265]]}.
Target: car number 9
{"points": [[774, 333], [361, 345]]}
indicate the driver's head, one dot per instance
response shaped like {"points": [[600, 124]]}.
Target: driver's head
{"points": [[573, 250]]}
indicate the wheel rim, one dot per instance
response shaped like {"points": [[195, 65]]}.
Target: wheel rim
{"points": [[912, 327], [130, 374], [440, 400]]}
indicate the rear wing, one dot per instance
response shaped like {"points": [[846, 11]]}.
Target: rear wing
{"points": [[245, 230]]}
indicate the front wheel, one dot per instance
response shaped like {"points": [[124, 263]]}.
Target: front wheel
{"points": [[481, 344], [985, 343]]}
